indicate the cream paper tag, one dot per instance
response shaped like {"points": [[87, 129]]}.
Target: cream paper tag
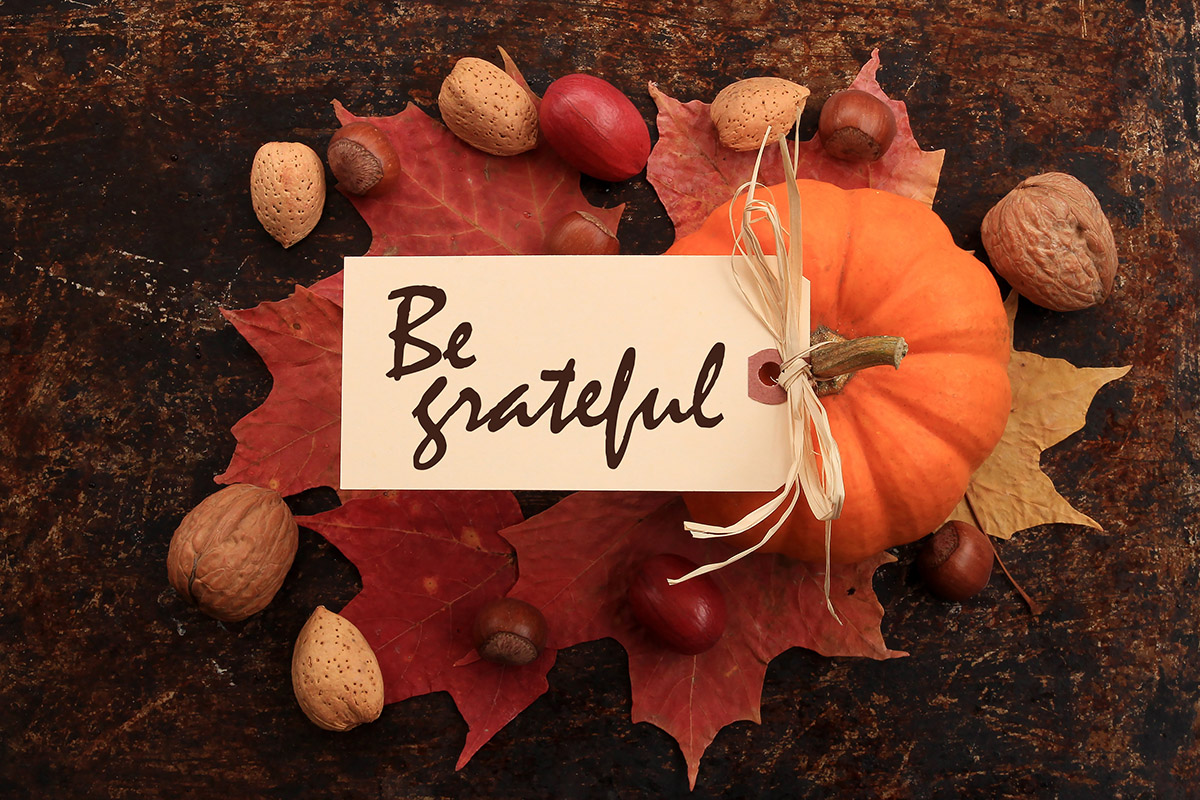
{"points": [[557, 373]]}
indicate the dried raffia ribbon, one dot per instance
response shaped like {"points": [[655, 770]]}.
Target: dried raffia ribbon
{"points": [[773, 290]]}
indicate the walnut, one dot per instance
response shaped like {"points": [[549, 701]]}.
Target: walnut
{"points": [[231, 553], [1049, 238]]}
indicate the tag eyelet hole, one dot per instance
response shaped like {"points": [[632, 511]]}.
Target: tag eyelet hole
{"points": [[768, 373]]}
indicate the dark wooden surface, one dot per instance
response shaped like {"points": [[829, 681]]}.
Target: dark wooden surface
{"points": [[126, 133]]}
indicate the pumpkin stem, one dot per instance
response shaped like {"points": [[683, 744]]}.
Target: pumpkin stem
{"points": [[835, 363]]}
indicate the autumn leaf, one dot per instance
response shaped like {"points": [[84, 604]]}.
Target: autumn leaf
{"points": [[1009, 492], [694, 174], [452, 199], [429, 561], [576, 562], [514, 72], [490, 696], [291, 442]]}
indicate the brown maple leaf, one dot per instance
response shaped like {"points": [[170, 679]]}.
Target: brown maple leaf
{"points": [[576, 562], [1009, 492], [694, 174]]}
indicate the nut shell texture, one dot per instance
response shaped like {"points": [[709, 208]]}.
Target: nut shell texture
{"points": [[595, 128], [362, 159], [486, 108], [956, 561], [231, 553], [1049, 238], [742, 111], [287, 190], [335, 674]]}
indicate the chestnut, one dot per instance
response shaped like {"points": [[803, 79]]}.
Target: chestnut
{"points": [[956, 561], [510, 632], [581, 233], [688, 617], [856, 126], [362, 159]]}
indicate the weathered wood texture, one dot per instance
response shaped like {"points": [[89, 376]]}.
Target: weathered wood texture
{"points": [[126, 133]]}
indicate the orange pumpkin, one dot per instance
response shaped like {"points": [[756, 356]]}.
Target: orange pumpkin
{"points": [[909, 438]]}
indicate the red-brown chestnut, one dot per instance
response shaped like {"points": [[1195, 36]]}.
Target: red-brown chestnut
{"points": [[581, 233], [362, 159], [594, 127], [510, 632], [956, 561], [688, 617], [856, 126]]}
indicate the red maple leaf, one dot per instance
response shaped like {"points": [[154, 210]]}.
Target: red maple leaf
{"points": [[450, 199], [576, 562], [429, 561], [291, 442], [694, 174]]}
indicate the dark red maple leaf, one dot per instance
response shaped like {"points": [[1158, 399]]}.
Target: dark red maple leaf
{"points": [[576, 562], [452, 199], [291, 442], [694, 174], [429, 561]]}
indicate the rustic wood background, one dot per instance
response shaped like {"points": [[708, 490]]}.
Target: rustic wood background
{"points": [[126, 133]]}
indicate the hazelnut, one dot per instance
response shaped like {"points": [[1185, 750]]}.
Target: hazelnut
{"points": [[581, 233], [688, 617], [510, 632], [1049, 238], [362, 159], [956, 561], [856, 126]]}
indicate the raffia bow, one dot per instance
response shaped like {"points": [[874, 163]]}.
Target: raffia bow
{"points": [[773, 289]]}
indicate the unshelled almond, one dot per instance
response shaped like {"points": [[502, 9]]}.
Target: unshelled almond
{"points": [[287, 190], [743, 111], [230, 554], [335, 674], [485, 107]]}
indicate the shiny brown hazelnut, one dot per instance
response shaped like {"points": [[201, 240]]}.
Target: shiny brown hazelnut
{"points": [[687, 617], [956, 561], [583, 234], [362, 159], [856, 126], [510, 632]]}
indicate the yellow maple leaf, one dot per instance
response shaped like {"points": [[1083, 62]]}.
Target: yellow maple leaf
{"points": [[1051, 397]]}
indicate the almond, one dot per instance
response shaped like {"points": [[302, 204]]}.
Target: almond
{"points": [[335, 674], [742, 111], [287, 190], [486, 108]]}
